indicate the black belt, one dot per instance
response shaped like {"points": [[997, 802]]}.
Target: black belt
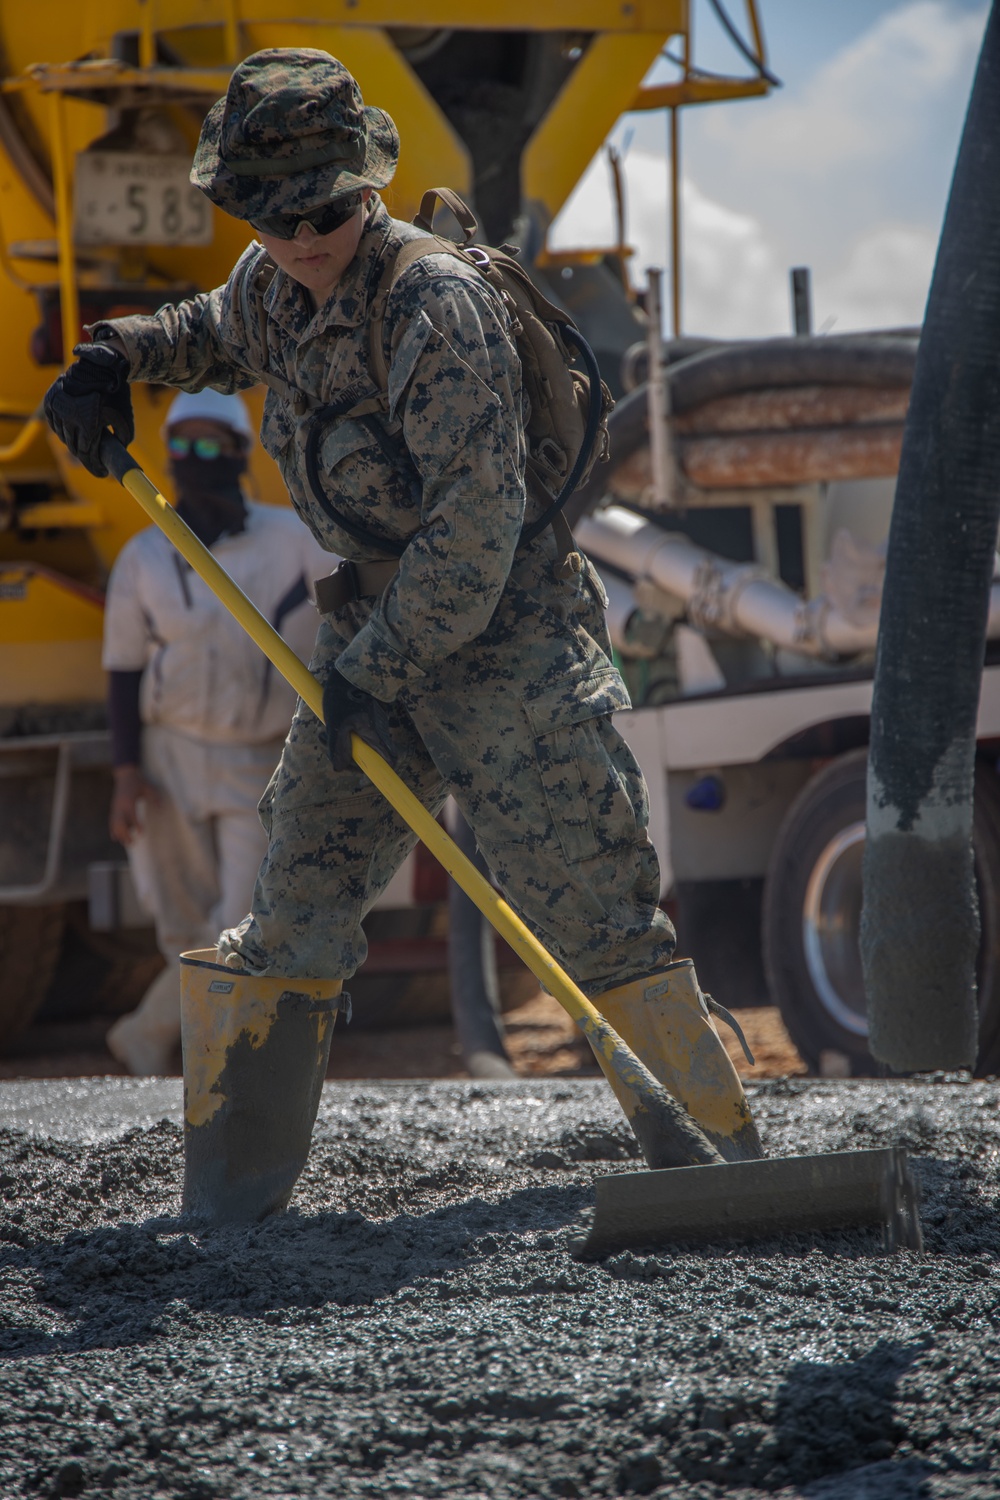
{"points": [[350, 581]]}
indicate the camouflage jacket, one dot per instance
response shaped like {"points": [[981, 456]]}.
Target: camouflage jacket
{"points": [[448, 473]]}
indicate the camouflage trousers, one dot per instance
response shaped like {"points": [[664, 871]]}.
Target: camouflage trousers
{"points": [[554, 795]]}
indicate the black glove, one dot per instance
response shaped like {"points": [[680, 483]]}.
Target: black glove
{"points": [[92, 396], [348, 710]]}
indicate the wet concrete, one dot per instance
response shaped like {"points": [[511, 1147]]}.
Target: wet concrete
{"points": [[415, 1326]]}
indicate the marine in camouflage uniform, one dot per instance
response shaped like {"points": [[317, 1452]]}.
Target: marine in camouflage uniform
{"points": [[490, 658], [497, 671]]}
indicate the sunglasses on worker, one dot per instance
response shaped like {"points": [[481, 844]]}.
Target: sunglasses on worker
{"points": [[207, 448], [320, 220]]}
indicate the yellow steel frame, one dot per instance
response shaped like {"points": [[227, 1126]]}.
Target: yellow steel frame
{"points": [[56, 515], [33, 429], [601, 87], [424, 132], [699, 91], [109, 73], [62, 186], [367, 52], [667, 17], [626, 39]]}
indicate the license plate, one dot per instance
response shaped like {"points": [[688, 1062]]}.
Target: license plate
{"points": [[125, 198]]}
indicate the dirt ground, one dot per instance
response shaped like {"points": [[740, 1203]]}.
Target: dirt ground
{"points": [[417, 1327], [541, 1039]]}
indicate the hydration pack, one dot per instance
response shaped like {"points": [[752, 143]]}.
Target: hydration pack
{"points": [[566, 425]]}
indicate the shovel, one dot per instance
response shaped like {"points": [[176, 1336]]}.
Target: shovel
{"points": [[638, 1207]]}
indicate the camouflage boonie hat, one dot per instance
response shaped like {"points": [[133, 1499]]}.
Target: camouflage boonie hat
{"points": [[292, 133]]}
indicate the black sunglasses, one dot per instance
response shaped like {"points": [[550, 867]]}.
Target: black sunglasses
{"points": [[320, 220]]}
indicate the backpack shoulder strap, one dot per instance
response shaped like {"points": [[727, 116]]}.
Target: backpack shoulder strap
{"points": [[460, 210], [253, 288], [394, 263], [252, 291], [264, 275]]}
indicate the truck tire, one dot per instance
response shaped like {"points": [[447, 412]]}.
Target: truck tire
{"points": [[99, 973], [30, 941], [812, 914]]}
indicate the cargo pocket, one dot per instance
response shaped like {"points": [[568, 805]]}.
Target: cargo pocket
{"points": [[587, 806], [342, 441]]}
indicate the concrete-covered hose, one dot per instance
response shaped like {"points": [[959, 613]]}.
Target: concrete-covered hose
{"points": [[826, 444], [920, 922]]}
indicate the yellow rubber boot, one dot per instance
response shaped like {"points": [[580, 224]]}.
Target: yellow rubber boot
{"points": [[666, 1021], [255, 1056]]}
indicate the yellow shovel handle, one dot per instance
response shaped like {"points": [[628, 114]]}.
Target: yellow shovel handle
{"points": [[395, 791], [611, 1050]]}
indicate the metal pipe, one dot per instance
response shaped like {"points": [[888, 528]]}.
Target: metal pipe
{"points": [[736, 598], [675, 219], [621, 609], [68, 299], [758, 38], [147, 37], [33, 428], [233, 43], [801, 302], [656, 393], [14, 895]]}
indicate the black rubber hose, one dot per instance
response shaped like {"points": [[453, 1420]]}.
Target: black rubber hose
{"points": [[472, 972], [872, 361], [393, 545], [920, 923], [371, 539], [726, 368], [741, 46]]}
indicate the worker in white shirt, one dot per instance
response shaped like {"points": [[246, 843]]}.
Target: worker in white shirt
{"points": [[198, 715]]}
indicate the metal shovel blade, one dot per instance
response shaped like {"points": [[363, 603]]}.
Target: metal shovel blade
{"points": [[753, 1199]]}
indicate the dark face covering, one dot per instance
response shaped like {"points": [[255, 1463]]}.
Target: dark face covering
{"points": [[208, 494]]}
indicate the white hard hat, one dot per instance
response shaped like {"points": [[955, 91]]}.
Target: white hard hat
{"points": [[213, 406]]}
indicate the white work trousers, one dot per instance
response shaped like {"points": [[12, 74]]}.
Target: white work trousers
{"points": [[196, 860]]}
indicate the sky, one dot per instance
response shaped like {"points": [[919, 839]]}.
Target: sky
{"points": [[845, 169]]}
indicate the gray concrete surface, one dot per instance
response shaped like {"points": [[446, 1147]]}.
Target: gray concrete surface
{"points": [[88, 1109], [415, 1326]]}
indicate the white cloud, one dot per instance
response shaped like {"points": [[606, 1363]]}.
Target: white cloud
{"points": [[732, 282], [587, 218], [882, 283], [735, 280], [869, 102], [845, 171], [870, 137]]}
